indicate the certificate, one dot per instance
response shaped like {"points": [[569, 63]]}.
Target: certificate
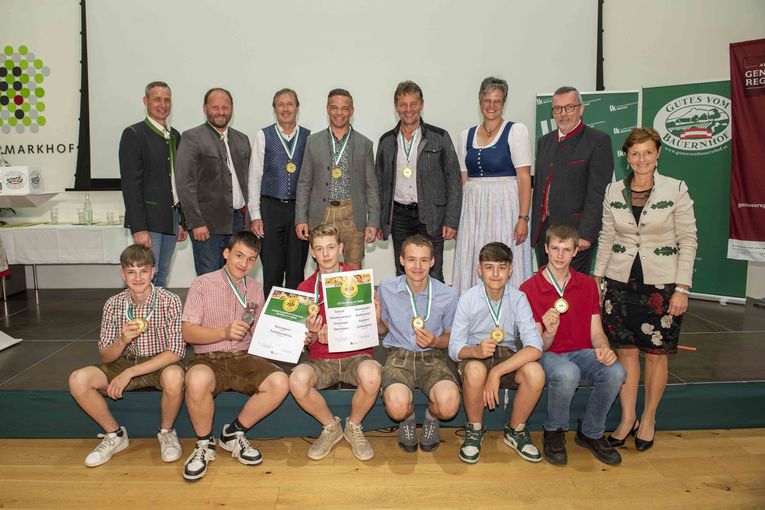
{"points": [[280, 331], [350, 310]]}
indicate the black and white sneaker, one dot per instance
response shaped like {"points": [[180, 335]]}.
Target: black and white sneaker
{"points": [[240, 447], [196, 465]]}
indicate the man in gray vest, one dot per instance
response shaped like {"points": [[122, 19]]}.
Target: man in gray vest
{"points": [[147, 157], [277, 156], [337, 183], [419, 179]]}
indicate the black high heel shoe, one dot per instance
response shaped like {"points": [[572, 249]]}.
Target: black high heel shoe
{"points": [[642, 445], [616, 443]]}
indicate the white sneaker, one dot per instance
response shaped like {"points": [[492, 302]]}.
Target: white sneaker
{"points": [[169, 445], [330, 436], [196, 465], [240, 447], [110, 444]]}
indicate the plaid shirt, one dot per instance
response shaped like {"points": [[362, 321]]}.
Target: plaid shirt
{"points": [[164, 333], [211, 303]]}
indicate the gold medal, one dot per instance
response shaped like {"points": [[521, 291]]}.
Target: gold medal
{"points": [[561, 305], [498, 334], [313, 309], [291, 167], [143, 324], [407, 172], [337, 172], [418, 322]]}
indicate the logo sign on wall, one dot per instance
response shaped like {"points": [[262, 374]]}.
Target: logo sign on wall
{"points": [[695, 124], [22, 92]]}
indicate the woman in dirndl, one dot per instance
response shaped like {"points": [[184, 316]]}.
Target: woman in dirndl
{"points": [[495, 159]]}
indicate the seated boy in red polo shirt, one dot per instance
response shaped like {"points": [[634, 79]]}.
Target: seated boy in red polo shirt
{"points": [[324, 369]]}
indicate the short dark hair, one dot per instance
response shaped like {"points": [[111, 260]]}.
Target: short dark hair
{"points": [[563, 232], [640, 135], [407, 87], [153, 84], [566, 89], [323, 230], [495, 252], [137, 255], [417, 240], [218, 89], [285, 91], [339, 92], [247, 238]]}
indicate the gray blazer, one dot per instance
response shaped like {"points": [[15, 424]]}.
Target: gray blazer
{"points": [[203, 180], [313, 184]]}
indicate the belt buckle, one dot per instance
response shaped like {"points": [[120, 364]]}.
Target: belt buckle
{"points": [[334, 203]]}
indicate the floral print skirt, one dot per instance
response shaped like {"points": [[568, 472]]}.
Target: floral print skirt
{"points": [[635, 316]]}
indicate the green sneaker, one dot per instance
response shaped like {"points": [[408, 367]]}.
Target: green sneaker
{"points": [[470, 451], [520, 441]]}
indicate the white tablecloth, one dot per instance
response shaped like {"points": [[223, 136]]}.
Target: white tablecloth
{"points": [[65, 244]]}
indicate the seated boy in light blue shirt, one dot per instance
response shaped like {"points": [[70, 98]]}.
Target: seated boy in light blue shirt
{"points": [[483, 344]]}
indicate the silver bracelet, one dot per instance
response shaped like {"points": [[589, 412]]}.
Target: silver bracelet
{"points": [[682, 290]]}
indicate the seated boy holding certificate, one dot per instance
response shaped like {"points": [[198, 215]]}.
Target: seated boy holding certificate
{"points": [[220, 309], [415, 313], [324, 368], [483, 344], [140, 346]]}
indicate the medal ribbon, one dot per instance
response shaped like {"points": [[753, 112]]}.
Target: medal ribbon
{"points": [[496, 316], [152, 301], [284, 141], [414, 304], [336, 156], [242, 299], [316, 289], [558, 288], [407, 153]]}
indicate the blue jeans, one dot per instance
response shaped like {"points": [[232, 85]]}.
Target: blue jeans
{"points": [[208, 255], [565, 373], [163, 246]]}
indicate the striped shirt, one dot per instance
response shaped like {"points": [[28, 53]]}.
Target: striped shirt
{"points": [[164, 332], [211, 303]]}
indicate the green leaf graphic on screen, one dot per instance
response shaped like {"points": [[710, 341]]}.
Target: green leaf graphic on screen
{"points": [[21, 76]]}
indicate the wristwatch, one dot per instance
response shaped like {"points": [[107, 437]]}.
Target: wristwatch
{"points": [[524, 217]]}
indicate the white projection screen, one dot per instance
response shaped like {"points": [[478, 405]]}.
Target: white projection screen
{"points": [[254, 48]]}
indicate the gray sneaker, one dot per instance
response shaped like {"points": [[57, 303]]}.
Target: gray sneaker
{"points": [[430, 438], [407, 435], [471, 447], [169, 446], [520, 441], [329, 437], [110, 444], [360, 446]]}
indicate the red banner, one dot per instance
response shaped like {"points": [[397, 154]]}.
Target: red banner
{"points": [[747, 189]]}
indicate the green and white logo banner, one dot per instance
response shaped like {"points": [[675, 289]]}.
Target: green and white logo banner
{"points": [[280, 331], [694, 122], [350, 310], [615, 113]]}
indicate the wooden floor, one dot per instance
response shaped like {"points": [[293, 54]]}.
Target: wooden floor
{"points": [[685, 470]]}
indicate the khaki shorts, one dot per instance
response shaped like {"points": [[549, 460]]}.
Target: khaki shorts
{"points": [[501, 353], [127, 360], [331, 371], [236, 371], [421, 369], [341, 216]]}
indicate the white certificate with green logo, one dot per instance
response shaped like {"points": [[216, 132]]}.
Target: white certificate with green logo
{"points": [[280, 331], [350, 310]]}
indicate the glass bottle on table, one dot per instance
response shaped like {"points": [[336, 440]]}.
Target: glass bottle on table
{"points": [[87, 210]]}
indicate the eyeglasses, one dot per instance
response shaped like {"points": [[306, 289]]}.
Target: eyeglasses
{"points": [[569, 108], [492, 102]]}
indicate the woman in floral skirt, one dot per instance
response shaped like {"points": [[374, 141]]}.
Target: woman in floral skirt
{"points": [[645, 262]]}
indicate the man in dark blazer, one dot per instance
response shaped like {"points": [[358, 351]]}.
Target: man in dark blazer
{"points": [[337, 183], [147, 157], [573, 166], [419, 179], [211, 178]]}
